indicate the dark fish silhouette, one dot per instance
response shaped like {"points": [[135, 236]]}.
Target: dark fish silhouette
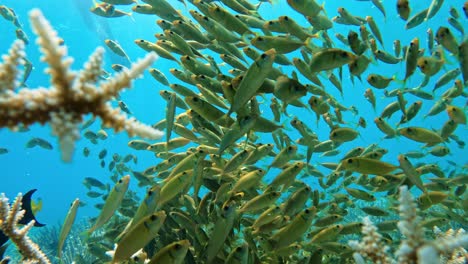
{"points": [[28, 216]]}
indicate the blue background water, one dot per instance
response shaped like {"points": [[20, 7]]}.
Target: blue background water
{"points": [[60, 183]]}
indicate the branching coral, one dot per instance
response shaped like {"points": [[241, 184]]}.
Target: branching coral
{"points": [[71, 94], [414, 248], [9, 218], [371, 247]]}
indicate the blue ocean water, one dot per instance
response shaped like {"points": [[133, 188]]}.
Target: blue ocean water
{"points": [[59, 183]]}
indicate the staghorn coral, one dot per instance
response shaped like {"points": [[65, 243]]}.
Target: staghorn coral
{"points": [[9, 218], [71, 94], [371, 247], [448, 247]]}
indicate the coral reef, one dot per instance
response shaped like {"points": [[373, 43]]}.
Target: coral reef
{"points": [[448, 247], [71, 94], [9, 218]]}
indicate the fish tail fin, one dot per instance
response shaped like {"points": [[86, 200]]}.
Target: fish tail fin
{"points": [[322, 7], [247, 36], [130, 14]]}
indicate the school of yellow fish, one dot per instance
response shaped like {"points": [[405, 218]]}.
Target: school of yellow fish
{"points": [[221, 194]]}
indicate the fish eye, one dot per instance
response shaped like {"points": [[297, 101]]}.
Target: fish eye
{"points": [[350, 161], [195, 99], [270, 22], [178, 246], [263, 56], [344, 54], [286, 18], [306, 211], [239, 249], [120, 181], [153, 217], [409, 130], [225, 208], [141, 41], [205, 18], [136, 258]]}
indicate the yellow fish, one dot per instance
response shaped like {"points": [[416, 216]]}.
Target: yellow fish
{"points": [[367, 166], [112, 203]]}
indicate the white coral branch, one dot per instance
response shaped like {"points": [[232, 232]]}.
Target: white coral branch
{"points": [[9, 218], [71, 96]]}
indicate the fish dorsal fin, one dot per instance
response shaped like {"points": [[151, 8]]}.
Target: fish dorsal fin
{"points": [[28, 215]]}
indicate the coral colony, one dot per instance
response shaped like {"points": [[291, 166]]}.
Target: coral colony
{"points": [[71, 94]]}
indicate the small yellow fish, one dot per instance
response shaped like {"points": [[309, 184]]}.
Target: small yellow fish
{"points": [[295, 229], [378, 81], [306, 7], [367, 166], [456, 114], [430, 65], [420, 134], [343, 134], [113, 202], [417, 19], [137, 237], [253, 79], [360, 194], [445, 38], [327, 234], [116, 48], [412, 53], [410, 172], [385, 127], [173, 253], [67, 225], [329, 59]]}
